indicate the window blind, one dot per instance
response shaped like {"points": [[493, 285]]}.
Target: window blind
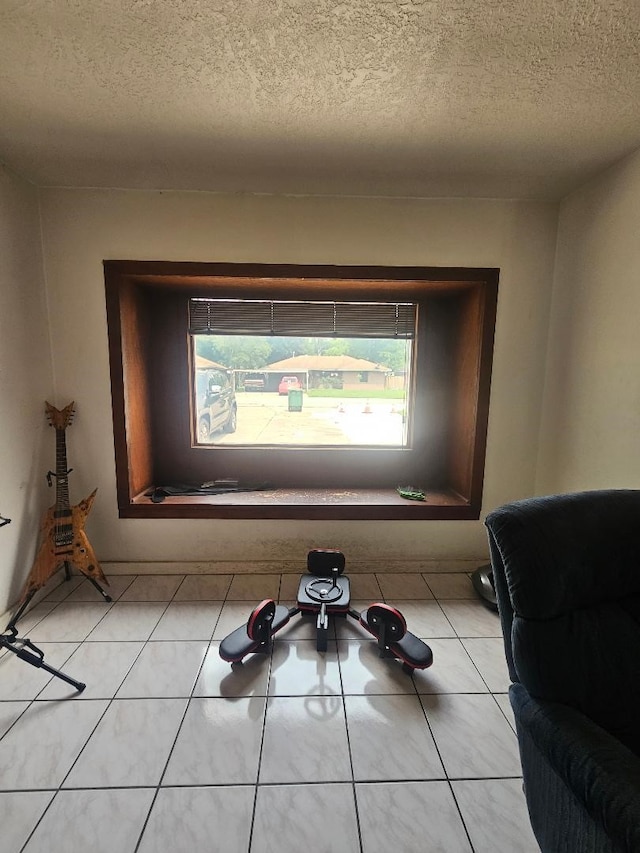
{"points": [[302, 319]]}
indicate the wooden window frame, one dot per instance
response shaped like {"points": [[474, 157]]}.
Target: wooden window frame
{"points": [[147, 316]]}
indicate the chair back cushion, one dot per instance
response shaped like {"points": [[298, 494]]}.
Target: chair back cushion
{"points": [[567, 576]]}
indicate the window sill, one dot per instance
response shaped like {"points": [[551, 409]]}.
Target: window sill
{"points": [[339, 504]]}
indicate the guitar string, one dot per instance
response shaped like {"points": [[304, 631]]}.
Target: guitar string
{"points": [[62, 485], [61, 456]]}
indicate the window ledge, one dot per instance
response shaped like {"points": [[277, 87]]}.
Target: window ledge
{"points": [[339, 504]]}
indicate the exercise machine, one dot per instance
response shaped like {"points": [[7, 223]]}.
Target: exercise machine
{"points": [[324, 591]]}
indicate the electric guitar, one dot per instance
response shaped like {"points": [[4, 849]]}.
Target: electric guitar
{"points": [[64, 542]]}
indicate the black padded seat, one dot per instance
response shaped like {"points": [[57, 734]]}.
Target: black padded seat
{"points": [[238, 644], [413, 651], [402, 644]]}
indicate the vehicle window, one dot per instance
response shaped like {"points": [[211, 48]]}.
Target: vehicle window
{"points": [[219, 380]]}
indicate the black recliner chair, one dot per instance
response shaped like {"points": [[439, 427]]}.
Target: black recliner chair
{"points": [[567, 577]]}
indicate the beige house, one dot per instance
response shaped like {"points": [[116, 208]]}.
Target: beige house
{"points": [[330, 371]]}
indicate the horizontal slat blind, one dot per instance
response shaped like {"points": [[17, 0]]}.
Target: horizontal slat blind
{"points": [[302, 319]]}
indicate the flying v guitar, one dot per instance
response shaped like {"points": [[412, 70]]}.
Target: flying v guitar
{"points": [[64, 542]]}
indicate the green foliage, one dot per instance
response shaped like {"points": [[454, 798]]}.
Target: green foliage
{"points": [[390, 353], [240, 352], [339, 346], [253, 352]]}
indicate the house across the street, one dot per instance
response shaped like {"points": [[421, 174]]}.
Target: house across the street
{"points": [[327, 371]]}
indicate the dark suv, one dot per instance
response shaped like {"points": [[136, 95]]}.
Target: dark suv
{"points": [[217, 407]]}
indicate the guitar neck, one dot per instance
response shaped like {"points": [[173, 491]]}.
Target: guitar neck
{"points": [[62, 472]]}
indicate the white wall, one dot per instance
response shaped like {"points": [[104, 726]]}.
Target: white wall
{"points": [[590, 436], [83, 227], [26, 445]]}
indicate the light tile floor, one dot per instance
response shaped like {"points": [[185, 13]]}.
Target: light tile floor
{"points": [[171, 749]]}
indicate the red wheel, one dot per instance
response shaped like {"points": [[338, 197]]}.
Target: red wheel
{"points": [[259, 624], [383, 615]]}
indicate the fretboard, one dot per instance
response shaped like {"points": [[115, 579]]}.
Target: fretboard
{"points": [[62, 479]]}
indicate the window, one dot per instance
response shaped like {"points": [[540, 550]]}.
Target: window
{"points": [[333, 342], [157, 313]]}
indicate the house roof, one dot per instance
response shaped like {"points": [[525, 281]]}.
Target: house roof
{"points": [[204, 364], [517, 98], [326, 362]]}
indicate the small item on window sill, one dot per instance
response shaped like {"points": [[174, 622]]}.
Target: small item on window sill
{"points": [[411, 493], [216, 487]]}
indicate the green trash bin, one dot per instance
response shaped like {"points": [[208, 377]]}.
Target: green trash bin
{"points": [[295, 399]]}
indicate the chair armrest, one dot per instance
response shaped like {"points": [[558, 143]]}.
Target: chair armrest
{"points": [[602, 773]]}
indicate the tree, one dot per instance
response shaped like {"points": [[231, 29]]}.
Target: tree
{"points": [[386, 351], [239, 352], [338, 346], [253, 352]]}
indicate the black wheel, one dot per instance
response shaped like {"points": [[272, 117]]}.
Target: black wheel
{"points": [[203, 430], [232, 423]]}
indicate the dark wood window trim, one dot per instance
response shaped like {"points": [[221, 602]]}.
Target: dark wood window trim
{"points": [[147, 314]]}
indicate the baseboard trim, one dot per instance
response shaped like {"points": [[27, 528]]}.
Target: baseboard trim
{"points": [[237, 567]]}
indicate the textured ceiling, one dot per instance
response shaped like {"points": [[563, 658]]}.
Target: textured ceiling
{"points": [[374, 97]]}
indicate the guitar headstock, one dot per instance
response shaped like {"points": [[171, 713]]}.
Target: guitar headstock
{"points": [[60, 418]]}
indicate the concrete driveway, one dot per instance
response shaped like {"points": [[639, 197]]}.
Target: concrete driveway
{"points": [[264, 418]]}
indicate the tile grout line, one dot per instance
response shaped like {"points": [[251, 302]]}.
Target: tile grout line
{"points": [[491, 692], [190, 698], [158, 786], [58, 788], [241, 785], [264, 728], [353, 775], [444, 767], [110, 702], [39, 821]]}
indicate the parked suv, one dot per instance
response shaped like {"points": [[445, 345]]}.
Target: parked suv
{"points": [[217, 407]]}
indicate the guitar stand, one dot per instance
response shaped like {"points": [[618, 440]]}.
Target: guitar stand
{"points": [[325, 591], [25, 649], [67, 576], [93, 581], [30, 653]]}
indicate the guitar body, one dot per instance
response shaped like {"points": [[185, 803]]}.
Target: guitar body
{"points": [[64, 542]]}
